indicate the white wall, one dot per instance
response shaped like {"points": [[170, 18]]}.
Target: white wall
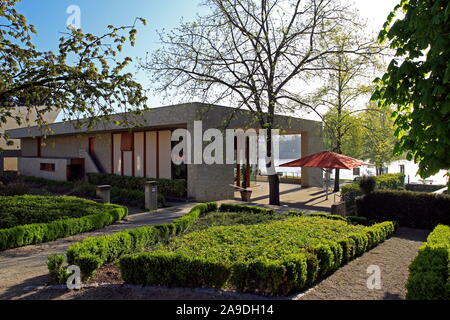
{"points": [[32, 167], [151, 154], [139, 154], [165, 150]]}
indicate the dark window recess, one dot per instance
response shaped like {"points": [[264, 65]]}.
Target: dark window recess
{"points": [[402, 168], [126, 141], [357, 171], [179, 171], [48, 167]]}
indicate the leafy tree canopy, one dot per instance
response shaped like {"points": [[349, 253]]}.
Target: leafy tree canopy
{"points": [[85, 78], [417, 81]]}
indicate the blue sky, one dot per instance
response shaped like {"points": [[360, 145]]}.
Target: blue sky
{"points": [[50, 16]]}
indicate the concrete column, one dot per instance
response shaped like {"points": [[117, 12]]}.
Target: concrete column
{"points": [[104, 193], [151, 195], [312, 143]]}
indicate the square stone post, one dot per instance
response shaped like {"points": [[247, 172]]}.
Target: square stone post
{"points": [[311, 144], [151, 195], [104, 193]]}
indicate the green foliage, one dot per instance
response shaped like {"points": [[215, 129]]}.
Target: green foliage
{"points": [[84, 78], [409, 209], [367, 184], [13, 189], [91, 253], [22, 210], [241, 208], [43, 219], [379, 137], [358, 220], [167, 187], [58, 273], [417, 81], [349, 193], [429, 272], [274, 258]]}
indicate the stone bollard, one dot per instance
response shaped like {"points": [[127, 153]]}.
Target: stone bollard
{"points": [[104, 193], [151, 195]]}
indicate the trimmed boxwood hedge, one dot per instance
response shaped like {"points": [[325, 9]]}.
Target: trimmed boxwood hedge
{"points": [[429, 272], [92, 216], [169, 188], [92, 253], [410, 209], [242, 262]]}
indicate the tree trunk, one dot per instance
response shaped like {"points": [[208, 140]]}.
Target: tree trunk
{"points": [[337, 180], [274, 179]]}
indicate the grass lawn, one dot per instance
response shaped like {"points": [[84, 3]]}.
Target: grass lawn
{"points": [[23, 210]]}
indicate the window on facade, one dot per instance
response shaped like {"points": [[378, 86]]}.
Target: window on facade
{"points": [[357, 171], [402, 168], [48, 167], [126, 142]]}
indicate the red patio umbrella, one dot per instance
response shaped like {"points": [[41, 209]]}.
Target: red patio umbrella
{"points": [[326, 160]]}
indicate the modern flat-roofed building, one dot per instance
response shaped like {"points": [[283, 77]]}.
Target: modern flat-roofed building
{"points": [[69, 153], [9, 154]]}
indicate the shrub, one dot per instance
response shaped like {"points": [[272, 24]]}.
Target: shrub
{"points": [[367, 184], [275, 258], [358, 220], [58, 274], [91, 253], [409, 209], [167, 187], [13, 189], [241, 208], [429, 272], [89, 216], [349, 193]]}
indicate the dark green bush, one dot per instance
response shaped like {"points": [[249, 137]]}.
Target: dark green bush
{"points": [[367, 184], [91, 253], [167, 187], [350, 192], [409, 209], [429, 272], [13, 189], [241, 208], [358, 220], [23, 235]]}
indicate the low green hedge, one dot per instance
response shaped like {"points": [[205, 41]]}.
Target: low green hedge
{"points": [[92, 253], [97, 218], [167, 187], [241, 208], [429, 272], [119, 195], [410, 209], [276, 258], [349, 193]]}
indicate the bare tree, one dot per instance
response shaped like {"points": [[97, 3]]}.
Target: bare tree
{"points": [[347, 84], [255, 54]]}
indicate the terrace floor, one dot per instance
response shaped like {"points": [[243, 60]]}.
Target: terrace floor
{"points": [[294, 196]]}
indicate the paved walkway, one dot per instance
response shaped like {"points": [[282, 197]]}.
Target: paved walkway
{"points": [[393, 257], [26, 266], [295, 196]]}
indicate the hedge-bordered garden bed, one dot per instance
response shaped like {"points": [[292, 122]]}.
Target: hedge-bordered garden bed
{"points": [[429, 273], [36, 219], [91, 253], [276, 258]]}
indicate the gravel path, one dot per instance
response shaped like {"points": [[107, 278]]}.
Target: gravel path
{"points": [[393, 257], [26, 266]]}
